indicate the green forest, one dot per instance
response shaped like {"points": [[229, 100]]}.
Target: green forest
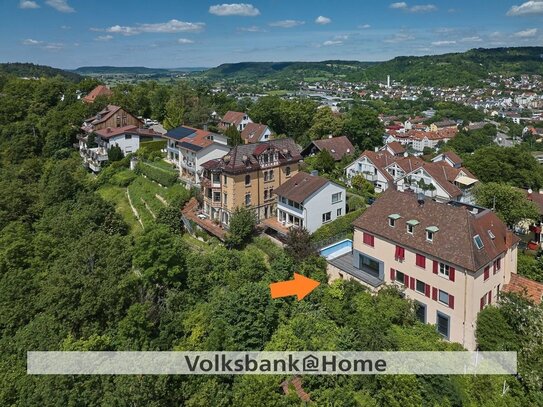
{"points": [[76, 274]]}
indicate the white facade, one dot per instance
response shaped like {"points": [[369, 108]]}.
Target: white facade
{"points": [[323, 206], [364, 166]]}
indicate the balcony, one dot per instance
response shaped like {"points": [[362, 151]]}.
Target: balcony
{"points": [[370, 177], [364, 275]]}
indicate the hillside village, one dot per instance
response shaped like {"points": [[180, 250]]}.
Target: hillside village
{"points": [[419, 229]]}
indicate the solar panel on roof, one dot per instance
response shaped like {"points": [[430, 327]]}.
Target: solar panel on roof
{"points": [[180, 132]]}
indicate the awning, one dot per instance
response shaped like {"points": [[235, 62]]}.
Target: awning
{"points": [[467, 181]]}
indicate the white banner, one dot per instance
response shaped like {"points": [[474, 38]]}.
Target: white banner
{"points": [[212, 363]]}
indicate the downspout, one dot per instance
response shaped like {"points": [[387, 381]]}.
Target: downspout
{"points": [[465, 307]]}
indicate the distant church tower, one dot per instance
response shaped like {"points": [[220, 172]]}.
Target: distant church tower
{"points": [[388, 81]]}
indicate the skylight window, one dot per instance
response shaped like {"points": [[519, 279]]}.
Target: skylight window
{"points": [[478, 242], [491, 235]]}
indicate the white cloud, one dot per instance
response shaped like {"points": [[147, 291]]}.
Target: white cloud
{"points": [[400, 37], [527, 8], [251, 29], [104, 38], [421, 8], [234, 9], [472, 39], [332, 42], [364, 26], [286, 23], [323, 20], [443, 43], [172, 26], [60, 5], [27, 4], [184, 41], [30, 41], [401, 5], [52, 46], [528, 33]]}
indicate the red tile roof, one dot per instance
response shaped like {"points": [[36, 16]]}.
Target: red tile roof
{"points": [[453, 243], [396, 147], [116, 131], [525, 287], [231, 117], [338, 147], [253, 132], [100, 90]]}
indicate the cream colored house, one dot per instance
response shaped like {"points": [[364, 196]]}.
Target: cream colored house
{"points": [[451, 259]]}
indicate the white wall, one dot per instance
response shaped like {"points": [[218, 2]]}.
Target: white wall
{"points": [[321, 202]]}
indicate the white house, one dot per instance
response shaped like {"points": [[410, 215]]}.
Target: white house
{"points": [[238, 119], [255, 133], [188, 148], [128, 138], [309, 201]]}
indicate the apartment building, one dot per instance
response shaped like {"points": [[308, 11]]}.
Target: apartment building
{"points": [[247, 177], [451, 259], [111, 116]]}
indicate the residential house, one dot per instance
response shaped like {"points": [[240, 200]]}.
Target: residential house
{"points": [[309, 201], [338, 147], [444, 124], [237, 119], [419, 140], [255, 133], [111, 116], [100, 90], [127, 138], [187, 148], [451, 259], [444, 180], [247, 177]]}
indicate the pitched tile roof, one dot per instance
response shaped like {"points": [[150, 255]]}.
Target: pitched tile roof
{"points": [[245, 158], [525, 287], [100, 90], [190, 138], [253, 132], [116, 131], [231, 117], [457, 223], [396, 147], [338, 147], [300, 187]]}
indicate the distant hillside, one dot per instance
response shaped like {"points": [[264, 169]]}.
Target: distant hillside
{"points": [[285, 70], [457, 69], [130, 70], [466, 68], [36, 71]]}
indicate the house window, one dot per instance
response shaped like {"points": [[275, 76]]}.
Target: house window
{"points": [[216, 197], [224, 178], [486, 273], [339, 212], [421, 312], [443, 297], [420, 261], [271, 175], [497, 265], [369, 239], [326, 217], [444, 270], [336, 197], [391, 222], [443, 325], [247, 199], [369, 264], [478, 242], [287, 171], [429, 236], [421, 287], [225, 198], [265, 194], [400, 277], [410, 229], [248, 179], [127, 136]]}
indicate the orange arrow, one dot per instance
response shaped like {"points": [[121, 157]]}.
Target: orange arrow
{"points": [[300, 286]]}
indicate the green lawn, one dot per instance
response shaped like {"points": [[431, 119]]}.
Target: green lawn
{"points": [[117, 196], [162, 165]]}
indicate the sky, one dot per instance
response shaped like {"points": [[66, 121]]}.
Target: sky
{"points": [[179, 33]]}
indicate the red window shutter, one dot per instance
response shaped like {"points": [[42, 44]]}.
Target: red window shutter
{"points": [[451, 301], [406, 280], [436, 267], [489, 297], [392, 274], [412, 283], [372, 240], [397, 253], [427, 289], [487, 272], [402, 253], [452, 274], [434, 293], [482, 302], [368, 239], [421, 261]]}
